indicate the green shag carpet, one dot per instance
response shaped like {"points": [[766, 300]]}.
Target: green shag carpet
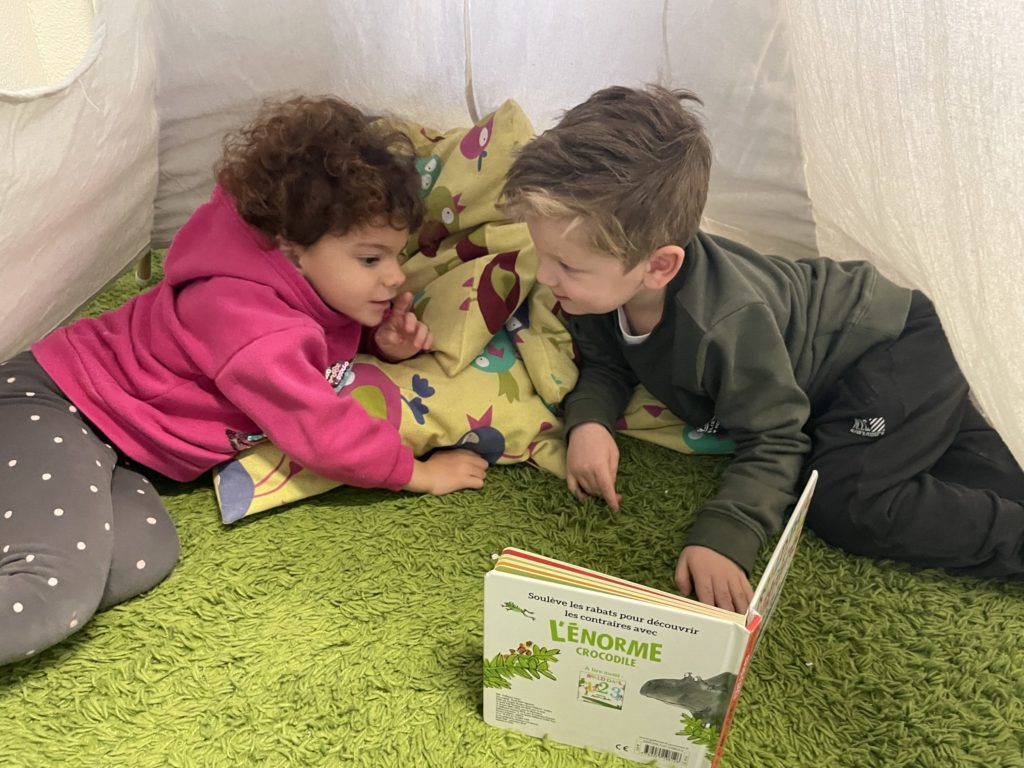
{"points": [[347, 631]]}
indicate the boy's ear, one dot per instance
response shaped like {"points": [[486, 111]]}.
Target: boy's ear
{"points": [[663, 265]]}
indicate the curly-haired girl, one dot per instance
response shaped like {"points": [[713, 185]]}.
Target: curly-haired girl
{"points": [[289, 269]]}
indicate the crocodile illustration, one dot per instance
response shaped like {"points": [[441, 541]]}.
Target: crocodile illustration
{"points": [[704, 699]]}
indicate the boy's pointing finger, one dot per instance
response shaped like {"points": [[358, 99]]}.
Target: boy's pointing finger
{"points": [[608, 492]]}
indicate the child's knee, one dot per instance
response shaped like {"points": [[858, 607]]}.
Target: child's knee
{"points": [[128, 580], [158, 554], [146, 546], [163, 552], [145, 553], [43, 606]]}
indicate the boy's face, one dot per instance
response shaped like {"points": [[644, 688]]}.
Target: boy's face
{"points": [[584, 281], [357, 273]]}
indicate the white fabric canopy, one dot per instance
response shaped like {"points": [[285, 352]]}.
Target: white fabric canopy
{"points": [[219, 60], [896, 123], [912, 117], [78, 164]]}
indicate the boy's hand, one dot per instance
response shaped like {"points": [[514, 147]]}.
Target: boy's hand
{"points": [[592, 463], [715, 578], [402, 334], [447, 471]]}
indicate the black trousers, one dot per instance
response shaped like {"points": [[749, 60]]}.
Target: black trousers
{"points": [[909, 470]]}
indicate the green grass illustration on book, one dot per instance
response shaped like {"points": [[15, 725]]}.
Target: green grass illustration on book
{"points": [[528, 661], [700, 732]]}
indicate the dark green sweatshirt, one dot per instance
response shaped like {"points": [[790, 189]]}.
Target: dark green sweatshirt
{"points": [[753, 341]]}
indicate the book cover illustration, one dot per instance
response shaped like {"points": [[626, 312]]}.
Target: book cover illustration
{"points": [[588, 659]]}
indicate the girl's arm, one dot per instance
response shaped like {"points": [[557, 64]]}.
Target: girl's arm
{"points": [[278, 381]]}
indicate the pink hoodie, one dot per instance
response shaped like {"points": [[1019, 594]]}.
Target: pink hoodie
{"points": [[233, 341]]}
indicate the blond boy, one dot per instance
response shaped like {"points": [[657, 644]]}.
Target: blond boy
{"points": [[809, 364]]}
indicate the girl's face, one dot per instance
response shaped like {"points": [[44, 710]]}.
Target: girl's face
{"points": [[357, 273]]}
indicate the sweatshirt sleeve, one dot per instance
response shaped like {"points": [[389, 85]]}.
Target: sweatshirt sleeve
{"points": [[277, 382], [760, 404], [606, 382]]}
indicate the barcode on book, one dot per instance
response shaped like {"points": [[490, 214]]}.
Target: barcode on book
{"points": [[662, 753]]}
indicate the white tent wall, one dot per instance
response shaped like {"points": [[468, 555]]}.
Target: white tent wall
{"points": [[219, 60], [912, 117], [77, 171], [737, 56], [445, 63], [550, 56]]}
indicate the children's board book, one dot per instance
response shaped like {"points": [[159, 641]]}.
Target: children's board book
{"points": [[588, 659]]}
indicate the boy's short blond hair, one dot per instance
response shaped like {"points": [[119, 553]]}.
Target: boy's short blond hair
{"points": [[630, 165]]}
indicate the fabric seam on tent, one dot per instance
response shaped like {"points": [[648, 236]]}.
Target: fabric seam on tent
{"points": [[467, 33]]}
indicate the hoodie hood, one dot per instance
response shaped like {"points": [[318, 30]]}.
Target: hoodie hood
{"points": [[217, 242]]}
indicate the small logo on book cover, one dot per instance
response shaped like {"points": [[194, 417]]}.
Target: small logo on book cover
{"points": [[874, 427]]}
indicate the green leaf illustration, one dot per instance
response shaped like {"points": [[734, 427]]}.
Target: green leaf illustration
{"points": [[530, 662]]}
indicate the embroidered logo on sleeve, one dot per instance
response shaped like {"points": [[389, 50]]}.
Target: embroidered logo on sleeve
{"points": [[874, 427], [338, 376], [239, 441]]}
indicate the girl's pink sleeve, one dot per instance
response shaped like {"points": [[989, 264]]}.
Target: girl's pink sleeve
{"points": [[279, 382]]}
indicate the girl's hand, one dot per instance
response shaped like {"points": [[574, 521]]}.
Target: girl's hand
{"points": [[402, 334], [447, 471]]}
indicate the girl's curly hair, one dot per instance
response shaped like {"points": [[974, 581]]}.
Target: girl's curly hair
{"points": [[308, 167]]}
